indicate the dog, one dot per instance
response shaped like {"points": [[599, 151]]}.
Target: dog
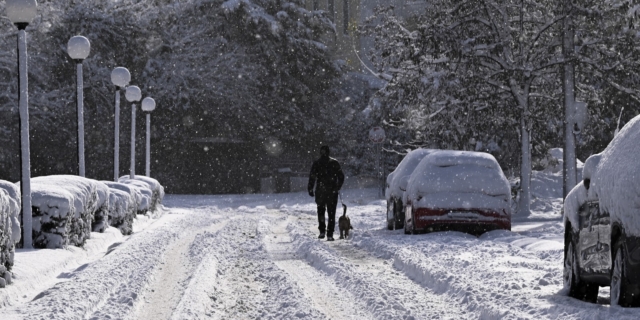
{"points": [[344, 223]]}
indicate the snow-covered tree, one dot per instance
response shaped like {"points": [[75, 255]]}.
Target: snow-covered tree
{"points": [[244, 70], [607, 59], [468, 71]]}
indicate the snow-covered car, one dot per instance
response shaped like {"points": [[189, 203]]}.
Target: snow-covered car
{"points": [[457, 190], [397, 185], [587, 241], [602, 223]]}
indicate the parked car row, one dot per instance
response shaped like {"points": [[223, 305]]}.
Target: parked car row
{"points": [[433, 190], [602, 223]]}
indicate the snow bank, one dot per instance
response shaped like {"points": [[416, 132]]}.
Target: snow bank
{"points": [[151, 190], [616, 179], [63, 209], [546, 187], [9, 228], [398, 179], [460, 173]]}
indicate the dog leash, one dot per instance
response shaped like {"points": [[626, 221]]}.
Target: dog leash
{"points": [[344, 206]]}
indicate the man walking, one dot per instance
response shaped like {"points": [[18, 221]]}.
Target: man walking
{"points": [[328, 178]]}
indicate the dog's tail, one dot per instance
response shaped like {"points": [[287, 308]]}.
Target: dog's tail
{"points": [[344, 206]]}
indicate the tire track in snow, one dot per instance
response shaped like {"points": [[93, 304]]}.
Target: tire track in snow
{"points": [[172, 277], [245, 282], [377, 287], [319, 288]]}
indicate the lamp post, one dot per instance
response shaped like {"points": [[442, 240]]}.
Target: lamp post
{"points": [[148, 105], [78, 49], [133, 95], [120, 77], [21, 13]]}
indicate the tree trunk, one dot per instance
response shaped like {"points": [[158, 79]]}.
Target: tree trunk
{"points": [[524, 205], [521, 96]]}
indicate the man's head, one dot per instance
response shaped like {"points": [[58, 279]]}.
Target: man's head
{"points": [[324, 151]]}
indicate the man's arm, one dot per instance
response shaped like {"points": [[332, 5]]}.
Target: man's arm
{"points": [[312, 179]]}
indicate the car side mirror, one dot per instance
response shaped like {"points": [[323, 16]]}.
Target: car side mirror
{"points": [[587, 182]]}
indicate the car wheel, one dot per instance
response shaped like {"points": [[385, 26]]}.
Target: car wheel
{"points": [[578, 289], [408, 227], [619, 292], [398, 217]]}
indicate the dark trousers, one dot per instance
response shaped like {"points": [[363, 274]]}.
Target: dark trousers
{"points": [[329, 203]]}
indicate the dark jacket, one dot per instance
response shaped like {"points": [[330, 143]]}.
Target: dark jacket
{"points": [[328, 174]]}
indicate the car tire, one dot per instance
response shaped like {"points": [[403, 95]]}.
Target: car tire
{"points": [[398, 217], [408, 228], [620, 294], [578, 288]]}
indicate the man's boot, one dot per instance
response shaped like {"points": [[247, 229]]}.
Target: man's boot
{"points": [[330, 237], [321, 236]]}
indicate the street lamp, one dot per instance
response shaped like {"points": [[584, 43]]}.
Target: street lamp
{"points": [[148, 105], [120, 77], [21, 13], [133, 94], [78, 49]]}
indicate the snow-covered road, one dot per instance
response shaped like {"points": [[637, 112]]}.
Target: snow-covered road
{"points": [[257, 256]]}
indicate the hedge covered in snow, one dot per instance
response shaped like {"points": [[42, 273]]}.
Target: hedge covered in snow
{"points": [[63, 210], [152, 192], [100, 220], [9, 228], [123, 206], [67, 208]]}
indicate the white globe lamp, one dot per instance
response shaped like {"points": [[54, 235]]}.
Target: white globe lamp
{"points": [[78, 48], [21, 11], [120, 77], [133, 94]]}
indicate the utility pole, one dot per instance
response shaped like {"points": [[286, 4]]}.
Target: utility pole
{"points": [[568, 85]]}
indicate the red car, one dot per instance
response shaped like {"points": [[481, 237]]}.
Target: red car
{"points": [[458, 190]]}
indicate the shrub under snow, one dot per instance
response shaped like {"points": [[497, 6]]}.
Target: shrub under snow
{"points": [[139, 199], [9, 228], [149, 187], [101, 216], [63, 209], [123, 206]]}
